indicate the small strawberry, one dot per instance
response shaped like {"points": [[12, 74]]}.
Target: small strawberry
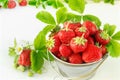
{"points": [[102, 37], [75, 59], [90, 26], [103, 49], [53, 44], [22, 2], [65, 50], [82, 30], [92, 53], [66, 35], [78, 44], [90, 40], [11, 4], [24, 58], [71, 25]]}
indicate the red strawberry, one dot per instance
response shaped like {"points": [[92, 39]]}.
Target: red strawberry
{"points": [[90, 26], [53, 44], [78, 44], [71, 25], [90, 40], [82, 31], [11, 4], [65, 50], [24, 58], [75, 59], [22, 2], [103, 49], [66, 35], [102, 37], [91, 54]]}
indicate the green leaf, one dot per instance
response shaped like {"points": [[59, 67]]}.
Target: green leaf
{"points": [[57, 3], [37, 61], [116, 36], [96, 1], [77, 5], [92, 18], [45, 17], [12, 51], [109, 28], [32, 2], [40, 40], [61, 15], [73, 17], [113, 48], [16, 59], [109, 1]]}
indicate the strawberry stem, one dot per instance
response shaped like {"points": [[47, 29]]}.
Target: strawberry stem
{"points": [[50, 43], [80, 40], [82, 29], [104, 35]]}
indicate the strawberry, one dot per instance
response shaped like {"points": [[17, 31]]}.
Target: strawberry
{"points": [[53, 44], [90, 40], [91, 54], [11, 4], [78, 44], [71, 25], [103, 49], [90, 26], [22, 2], [102, 37], [66, 35], [24, 58], [75, 59], [65, 50], [82, 31]]}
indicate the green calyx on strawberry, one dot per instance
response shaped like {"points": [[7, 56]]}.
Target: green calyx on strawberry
{"points": [[78, 44], [82, 30], [102, 37]]}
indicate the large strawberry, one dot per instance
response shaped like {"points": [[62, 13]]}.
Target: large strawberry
{"points": [[72, 25], [92, 53], [11, 4], [22, 2], [102, 37], [53, 44], [90, 26], [82, 31], [65, 50], [24, 58], [75, 59], [78, 44], [66, 35]]}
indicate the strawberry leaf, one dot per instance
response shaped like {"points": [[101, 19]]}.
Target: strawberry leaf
{"points": [[116, 36], [92, 18], [113, 48], [45, 17], [77, 5], [37, 61], [109, 28], [61, 15]]}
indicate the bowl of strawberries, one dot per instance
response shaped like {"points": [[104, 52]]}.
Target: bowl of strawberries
{"points": [[79, 49]]}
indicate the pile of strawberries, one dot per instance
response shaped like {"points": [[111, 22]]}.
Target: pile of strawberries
{"points": [[78, 43]]}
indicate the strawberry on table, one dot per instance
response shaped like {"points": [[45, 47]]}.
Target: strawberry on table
{"points": [[92, 53], [102, 37], [82, 31], [66, 35], [22, 2], [72, 25], [11, 4], [78, 44], [75, 59], [90, 26]]}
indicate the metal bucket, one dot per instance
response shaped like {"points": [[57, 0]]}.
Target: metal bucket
{"points": [[78, 71]]}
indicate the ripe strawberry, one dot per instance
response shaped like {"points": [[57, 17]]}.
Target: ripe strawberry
{"points": [[82, 31], [24, 58], [90, 40], [53, 44], [65, 50], [102, 37], [78, 44], [90, 26], [11, 4], [66, 35], [103, 49], [75, 59], [92, 53], [71, 25], [22, 2]]}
